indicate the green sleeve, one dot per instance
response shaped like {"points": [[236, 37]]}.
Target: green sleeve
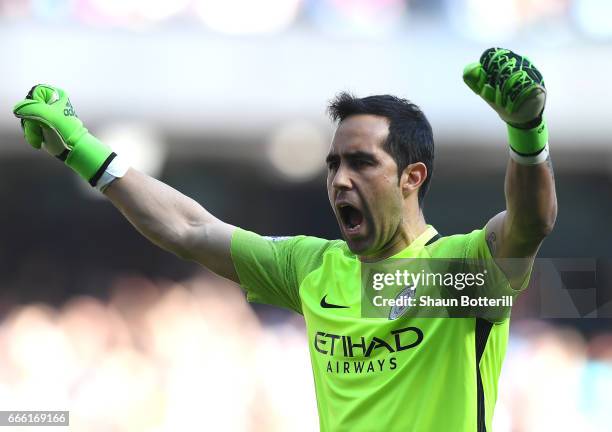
{"points": [[271, 269], [478, 258]]}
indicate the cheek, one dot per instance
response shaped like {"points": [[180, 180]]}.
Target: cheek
{"points": [[386, 204], [386, 185]]}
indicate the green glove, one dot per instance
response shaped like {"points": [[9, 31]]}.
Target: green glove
{"points": [[49, 122], [514, 88]]}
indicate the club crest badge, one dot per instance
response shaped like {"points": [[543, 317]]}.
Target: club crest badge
{"points": [[402, 298]]}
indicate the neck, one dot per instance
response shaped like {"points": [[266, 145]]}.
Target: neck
{"points": [[412, 226]]}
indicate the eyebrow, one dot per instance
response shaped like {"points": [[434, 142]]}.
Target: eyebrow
{"points": [[359, 154]]}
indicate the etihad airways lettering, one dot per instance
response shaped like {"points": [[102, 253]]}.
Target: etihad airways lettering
{"points": [[357, 346], [361, 366]]}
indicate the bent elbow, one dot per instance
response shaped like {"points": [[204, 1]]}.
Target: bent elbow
{"points": [[533, 229], [547, 228], [182, 245], [550, 221], [544, 225], [189, 241], [177, 239]]}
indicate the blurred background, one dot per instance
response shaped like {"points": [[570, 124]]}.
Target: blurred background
{"points": [[225, 101]]}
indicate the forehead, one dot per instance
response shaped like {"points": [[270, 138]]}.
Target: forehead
{"points": [[360, 132]]}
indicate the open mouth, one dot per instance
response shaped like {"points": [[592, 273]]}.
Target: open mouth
{"points": [[352, 218]]}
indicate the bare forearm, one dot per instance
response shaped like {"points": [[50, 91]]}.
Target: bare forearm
{"points": [[531, 202], [159, 212], [174, 221]]}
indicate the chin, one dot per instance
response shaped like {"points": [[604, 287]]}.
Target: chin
{"points": [[358, 247]]}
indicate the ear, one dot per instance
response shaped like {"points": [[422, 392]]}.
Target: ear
{"points": [[412, 178]]}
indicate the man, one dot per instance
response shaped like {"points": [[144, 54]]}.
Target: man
{"points": [[398, 373]]}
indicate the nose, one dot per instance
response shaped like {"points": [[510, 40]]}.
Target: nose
{"points": [[341, 179]]}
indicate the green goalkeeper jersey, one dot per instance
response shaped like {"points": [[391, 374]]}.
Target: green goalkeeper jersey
{"points": [[374, 374]]}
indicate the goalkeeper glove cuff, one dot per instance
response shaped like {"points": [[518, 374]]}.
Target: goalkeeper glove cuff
{"points": [[528, 146], [116, 169], [89, 158]]}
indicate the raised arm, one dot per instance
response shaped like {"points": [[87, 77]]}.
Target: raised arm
{"points": [[168, 218], [514, 88], [174, 221]]}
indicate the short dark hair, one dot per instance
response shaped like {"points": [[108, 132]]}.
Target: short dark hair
{"points": [[410, 137]]}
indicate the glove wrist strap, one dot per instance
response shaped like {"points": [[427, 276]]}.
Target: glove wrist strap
{"points": [[528, 142], [90, 158], [116, 169], [530, 160]]}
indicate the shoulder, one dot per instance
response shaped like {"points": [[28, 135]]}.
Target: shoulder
{"points": [[296, 247], [307, 244], [309, 248], [307, 254], [456, 245]]}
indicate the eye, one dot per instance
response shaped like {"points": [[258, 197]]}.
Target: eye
{"points": [[361, 163], [332, 165]]}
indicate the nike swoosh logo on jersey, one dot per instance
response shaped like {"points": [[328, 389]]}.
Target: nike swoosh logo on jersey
{"points": [[326, 305]]}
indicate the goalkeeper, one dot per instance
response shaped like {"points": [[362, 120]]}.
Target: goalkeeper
{"points": [[399, 373]]}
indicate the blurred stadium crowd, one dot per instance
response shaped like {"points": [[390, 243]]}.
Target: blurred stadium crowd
{"points": [[477, 19], [158, 357], [166, 356]]}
